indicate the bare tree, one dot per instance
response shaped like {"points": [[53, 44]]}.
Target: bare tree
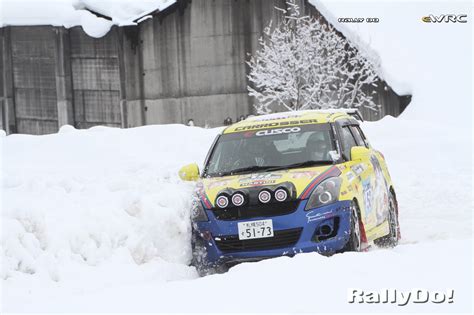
{"points": [[305, 64]]}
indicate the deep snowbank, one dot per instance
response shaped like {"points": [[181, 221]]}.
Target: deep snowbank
{"points": [[82, 197]]}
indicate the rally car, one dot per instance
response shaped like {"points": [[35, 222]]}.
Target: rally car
{"points": [[288, 183]]}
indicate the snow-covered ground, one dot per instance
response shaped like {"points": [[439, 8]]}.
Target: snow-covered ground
{"points": [[96, 220]]}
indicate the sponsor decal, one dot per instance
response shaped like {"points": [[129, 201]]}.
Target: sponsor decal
{"points": [[380, 191], [276, 124], [314, 215], [271, 132], [350, 176], [358, 168], [259, 179], [277, 116], [367, 193], [258, 182]]}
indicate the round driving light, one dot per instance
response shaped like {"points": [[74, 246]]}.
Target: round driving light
{"points": [[281, 194], [222, 201], [325, 197], [264, 196], [238, 199]]}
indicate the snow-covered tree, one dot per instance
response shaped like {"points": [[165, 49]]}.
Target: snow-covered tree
{"points": [[305, 64]]}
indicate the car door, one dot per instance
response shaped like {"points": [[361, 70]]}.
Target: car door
{"points": [[379, 186], [363, 177]]}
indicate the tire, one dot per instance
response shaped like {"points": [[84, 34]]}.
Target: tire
{"points": [[391, 240], [199, 259], [354, 244]]}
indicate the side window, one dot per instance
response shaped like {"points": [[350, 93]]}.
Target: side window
{"points": [[358, 137], [348, 142]]}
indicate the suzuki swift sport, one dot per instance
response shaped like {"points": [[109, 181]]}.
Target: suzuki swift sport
{"points": [[288, 183]]}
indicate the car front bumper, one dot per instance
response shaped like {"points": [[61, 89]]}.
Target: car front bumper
{"points": [[325, 230]]}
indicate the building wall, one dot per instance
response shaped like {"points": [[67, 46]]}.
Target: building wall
{"points": [[193, 62]]}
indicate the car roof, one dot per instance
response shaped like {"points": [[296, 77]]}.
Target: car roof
{"points": [[286, 119]]}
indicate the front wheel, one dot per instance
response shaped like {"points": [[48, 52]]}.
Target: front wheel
{"points": [[391, 240], [354, 244], [199, 259]]}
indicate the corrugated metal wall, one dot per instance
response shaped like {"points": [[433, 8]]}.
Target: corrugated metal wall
{"points": [[33, 60], [96, 79]]}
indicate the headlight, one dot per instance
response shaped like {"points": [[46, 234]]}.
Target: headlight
{"points": [[325, 193], [198, 214]]}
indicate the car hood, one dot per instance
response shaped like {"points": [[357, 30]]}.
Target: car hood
{"points": [[301, 178]]}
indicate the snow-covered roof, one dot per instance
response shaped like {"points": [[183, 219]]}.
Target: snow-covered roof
{"points": [[69, 13]]}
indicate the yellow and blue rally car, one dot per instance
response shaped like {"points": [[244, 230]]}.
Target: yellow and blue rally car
{"points": [[287, 183]]}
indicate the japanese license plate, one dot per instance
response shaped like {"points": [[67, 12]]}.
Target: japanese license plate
{"points": [[255, 229]]}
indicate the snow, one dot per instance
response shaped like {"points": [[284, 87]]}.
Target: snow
{"points": [[433, 62], [305, 283], [97, 203], [96, 220], [69, 13]]}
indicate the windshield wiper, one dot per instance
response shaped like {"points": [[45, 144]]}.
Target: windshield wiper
{"points": [[301, 164], [249, 169]]}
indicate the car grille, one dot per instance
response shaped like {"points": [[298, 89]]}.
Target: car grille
{"points": [[260, 210], [280, 239]]}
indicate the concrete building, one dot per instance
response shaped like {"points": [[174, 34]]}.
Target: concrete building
{"points": [[187, 62]]}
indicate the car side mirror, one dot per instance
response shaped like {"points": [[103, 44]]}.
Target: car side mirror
{"points": [[359, 153], [189, 172]]}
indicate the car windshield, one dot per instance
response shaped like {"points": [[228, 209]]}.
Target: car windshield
{"points": [[271, 149]]}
